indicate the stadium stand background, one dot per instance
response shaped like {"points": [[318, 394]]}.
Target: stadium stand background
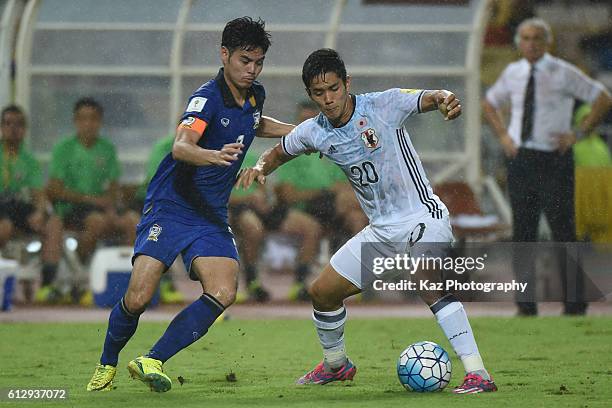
{"points": [[142, 58]]}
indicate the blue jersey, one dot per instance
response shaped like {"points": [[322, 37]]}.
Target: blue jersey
{"points": [[198, 195]]}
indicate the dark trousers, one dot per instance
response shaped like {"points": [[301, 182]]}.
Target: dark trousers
{"points": [[544, 182]]}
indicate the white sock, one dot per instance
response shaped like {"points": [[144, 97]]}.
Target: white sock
{"points": [[454, 323], [330, 328]]}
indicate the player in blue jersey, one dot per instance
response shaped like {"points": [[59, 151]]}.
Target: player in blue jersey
{"points": [[366, 136], [185, 208]]}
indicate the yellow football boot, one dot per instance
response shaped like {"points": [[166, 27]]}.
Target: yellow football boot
{"points": [[102, 379], [149, 371]]}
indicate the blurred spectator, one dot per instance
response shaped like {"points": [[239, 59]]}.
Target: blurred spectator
{"points": [[83, 183], [538, 141], [591, 151], [23, 205], [160, 149], [250, 216], [498, 51], [253, 214]]}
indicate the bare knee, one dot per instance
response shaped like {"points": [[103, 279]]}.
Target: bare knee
{"points": [[323, 299], [302, 224], [219, 277], [250, 226], [311, 226], [138, 296], [96, 224], [143, 283], [55, 224], [330, 289], [128, 222], [7, 229], [223, 294], [137, 301], [355, 221]]}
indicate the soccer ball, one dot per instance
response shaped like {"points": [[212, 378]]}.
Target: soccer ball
{"points": [[424, 367]]}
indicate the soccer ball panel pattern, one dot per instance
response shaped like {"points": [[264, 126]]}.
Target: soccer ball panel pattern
{"points": [[424, 367]]}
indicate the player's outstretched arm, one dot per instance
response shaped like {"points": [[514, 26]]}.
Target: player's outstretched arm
{"points": [[269, 161], [445, 101], [186, 149], [270, 127]]}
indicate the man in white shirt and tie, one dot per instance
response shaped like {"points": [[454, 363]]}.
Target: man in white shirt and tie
{"points": [[541, 91]]}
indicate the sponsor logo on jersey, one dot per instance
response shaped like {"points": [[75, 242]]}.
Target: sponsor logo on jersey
{"points": [[332, 149], [154, 233], [196, 104], [256, 119], [225, 122], [369, 138]]}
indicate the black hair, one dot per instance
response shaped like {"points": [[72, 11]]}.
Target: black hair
{"points": [[11, 109], [245, 33], [321, 62], [88, 102]]}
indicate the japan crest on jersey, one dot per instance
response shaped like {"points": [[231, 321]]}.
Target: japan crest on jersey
{"points": [[370, 138]]}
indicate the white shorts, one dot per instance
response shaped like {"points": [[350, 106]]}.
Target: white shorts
{"points": [[347, 260]]}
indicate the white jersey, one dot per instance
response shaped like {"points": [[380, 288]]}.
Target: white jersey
{"points": [[375, 152]]}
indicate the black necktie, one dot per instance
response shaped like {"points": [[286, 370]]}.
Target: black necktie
{"points": [[528, 107]]}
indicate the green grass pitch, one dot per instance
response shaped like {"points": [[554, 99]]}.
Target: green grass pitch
{"points": [[539, 362]]}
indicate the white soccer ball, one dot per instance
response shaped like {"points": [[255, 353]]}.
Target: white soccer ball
{"points": [[424, 367]]}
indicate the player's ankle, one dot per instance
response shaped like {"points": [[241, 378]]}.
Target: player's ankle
{"points": [[335, 365], [483, 373]]}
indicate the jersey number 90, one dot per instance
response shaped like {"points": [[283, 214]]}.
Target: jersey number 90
{"points": [[366, 173]]}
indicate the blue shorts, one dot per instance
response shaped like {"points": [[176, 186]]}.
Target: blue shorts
{"points": [[163, 239]]}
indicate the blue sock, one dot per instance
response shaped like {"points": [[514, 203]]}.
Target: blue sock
{"points": [[187, 327], [121, 327]]}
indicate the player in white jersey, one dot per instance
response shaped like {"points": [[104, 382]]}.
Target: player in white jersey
{"points": [[364, 135]]}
